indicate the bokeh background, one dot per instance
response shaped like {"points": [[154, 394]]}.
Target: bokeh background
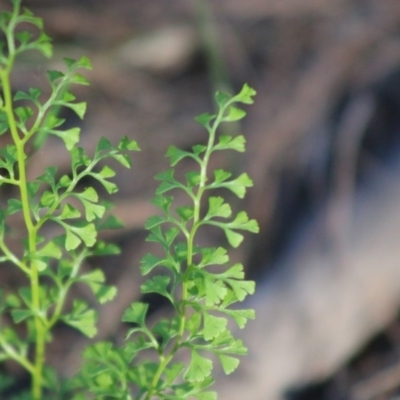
{"points": [[322, 141]]}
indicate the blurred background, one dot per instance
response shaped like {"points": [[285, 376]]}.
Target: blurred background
{"points": [[322, 148]]}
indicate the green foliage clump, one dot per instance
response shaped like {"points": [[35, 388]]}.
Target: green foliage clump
{"points": [[197, 281]]}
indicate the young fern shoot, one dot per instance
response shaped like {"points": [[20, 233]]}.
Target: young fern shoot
{"points": [[51, 265], [198, 281], [185, 275]]}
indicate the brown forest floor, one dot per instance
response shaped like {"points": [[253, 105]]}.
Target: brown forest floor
{"points": [[156, 65]]}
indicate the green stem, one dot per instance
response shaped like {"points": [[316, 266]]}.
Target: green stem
{"points": [[163, 364], [197, 200], [40, 330]]}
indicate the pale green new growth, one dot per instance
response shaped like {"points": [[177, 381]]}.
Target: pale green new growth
{"points": [[201, 298], [200, 294]]}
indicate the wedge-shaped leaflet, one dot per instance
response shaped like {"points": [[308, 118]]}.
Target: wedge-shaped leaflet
{"points": [[212, 326], [245, 95], [237, 186], [88, 198], [207, 286], [23, 114], [205, 119], [175, 154], [229, 363], [234, 114], [102, 177], [193, 323], [192, 179], [70, 137], [132, 348], [150, 261], [165, 330], [185, 213], [226, 142], [104, 249], [126, 144], [168, 182], [95, 280], [51, 250], [240, 316], [48, 200], [199, 368], [77, 233], [8, 157], [105, 149], [227, 344], [49, 177], [41, 259], [69, 212], [165, 238], [78, 159], [158, 284], [13, 206], [234, 278], [18, 315], [213, 256], [82, 318], [224, 346], [217, 208], [83, 62], [241, 222], [78, 108], [136, 314], [219, 176], [222, 98], [109, 221], [53, 76], [163, 203], [32, 95], [66, 99], [241, 288]]}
